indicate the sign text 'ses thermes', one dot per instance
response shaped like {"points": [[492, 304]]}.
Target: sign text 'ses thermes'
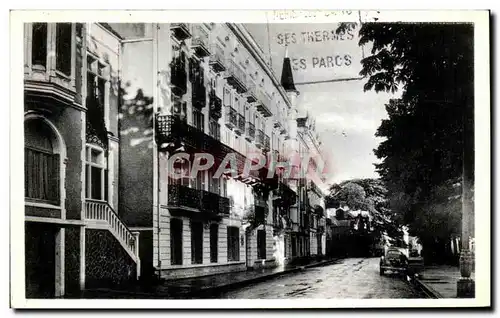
{"points": [[315, 37]]}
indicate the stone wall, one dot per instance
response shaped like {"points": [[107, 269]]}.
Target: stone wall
{"points": [[107, 264]]}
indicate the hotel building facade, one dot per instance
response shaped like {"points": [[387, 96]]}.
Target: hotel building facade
{"points": [[107, 107]]}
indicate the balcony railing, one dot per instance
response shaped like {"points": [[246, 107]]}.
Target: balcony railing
{"points": [[250, 131], [200, 41], [240, 127], [215, 105], [172, 132], [259, 141], [236, 77], [262, 104], [217, 59], [180, 31], [178, 75], [184, 197], [231, 117]]}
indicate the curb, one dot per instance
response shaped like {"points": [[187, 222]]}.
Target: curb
{"points": [[428, 291]]}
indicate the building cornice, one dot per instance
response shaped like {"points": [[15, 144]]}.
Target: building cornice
{"points": [[249, 43]]}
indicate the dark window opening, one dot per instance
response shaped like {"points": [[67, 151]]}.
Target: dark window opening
{"points": [[198, 120], [214, 239], [63, 48], [39, 44], [176, 241], [196, 242], [214, 128], [261, 244], [233, 244]]}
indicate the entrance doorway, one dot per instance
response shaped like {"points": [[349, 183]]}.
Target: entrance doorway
{"points": [[40, 260]]}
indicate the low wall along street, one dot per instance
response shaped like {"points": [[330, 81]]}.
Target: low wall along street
{"points": [[317, 52]]}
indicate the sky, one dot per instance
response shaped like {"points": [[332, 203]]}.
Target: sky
{"points": [[346, 117]]}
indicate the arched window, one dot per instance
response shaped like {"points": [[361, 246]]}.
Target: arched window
{"points": [[42, 162]]}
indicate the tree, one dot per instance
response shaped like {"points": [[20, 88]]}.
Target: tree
{"points": [[367, 195], [425, 140]]}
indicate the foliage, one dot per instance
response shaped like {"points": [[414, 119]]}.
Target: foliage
{"points": [[368, 195], [424, 146]]}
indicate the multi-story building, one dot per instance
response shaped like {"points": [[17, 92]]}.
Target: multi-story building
{"points": [[215, 94], [117, 117], [73, 236]]}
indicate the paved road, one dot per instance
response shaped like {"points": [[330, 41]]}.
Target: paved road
{"points": [[353, 278]]}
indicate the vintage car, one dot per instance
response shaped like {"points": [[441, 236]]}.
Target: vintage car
{"points": [[394, 260], [415, 263]]}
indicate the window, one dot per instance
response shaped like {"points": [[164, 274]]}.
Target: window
{"points": [[214, 185], [233, 244], [97, 83], [39, 45], [96, 174], [227, 97], [41, 163], [196, 242], [179, 108], [214, 129], [261, 244], [199, 181], [63, 47], [176, 241], [182, 167], [198, 120], [214, 239]]}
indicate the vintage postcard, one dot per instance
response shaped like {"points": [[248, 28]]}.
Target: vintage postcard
{"points": [[250, 159]]}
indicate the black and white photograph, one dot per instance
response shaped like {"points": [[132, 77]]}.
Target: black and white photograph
{"points": [[257, 159]]}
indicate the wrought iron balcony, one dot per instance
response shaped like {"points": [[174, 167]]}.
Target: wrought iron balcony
{"points": [[200, 41], [259, 141], [217, 59], [240, 127], [178, 75], [215, 110], [231, 117], [183, 197], [236, 77], [172, 132], [199, 92], [180, 31], [250, 131], [262, 104]]}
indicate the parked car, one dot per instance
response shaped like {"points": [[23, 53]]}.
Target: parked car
{"points": [[415, 263], [394, 260]]}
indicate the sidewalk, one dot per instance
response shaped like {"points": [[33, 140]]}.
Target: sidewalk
{"points": [[440, 281], [200, 287]]}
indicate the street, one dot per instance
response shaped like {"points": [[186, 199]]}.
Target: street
{"points": [[353, 278]]}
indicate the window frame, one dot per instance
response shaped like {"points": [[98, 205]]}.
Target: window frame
{"points": [[196, 249], [59, 146], [103, 165], [106, 77], [173, 239]]}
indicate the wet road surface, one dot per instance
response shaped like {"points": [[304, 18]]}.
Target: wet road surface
{"points": [[353, 278]]}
